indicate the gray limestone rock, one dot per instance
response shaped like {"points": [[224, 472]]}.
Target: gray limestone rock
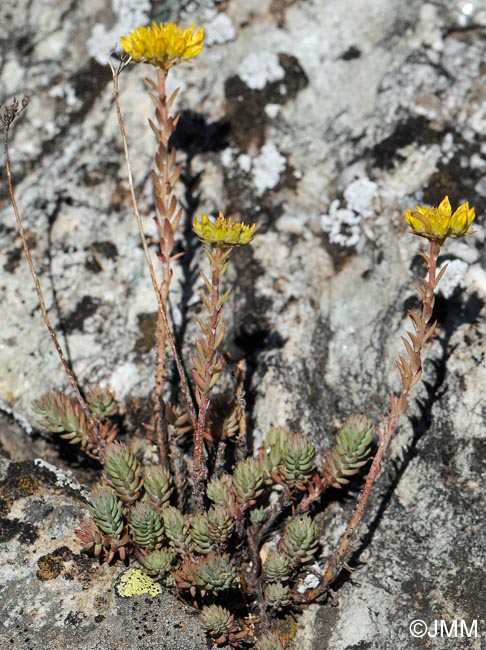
{"points": [[322, 122]]}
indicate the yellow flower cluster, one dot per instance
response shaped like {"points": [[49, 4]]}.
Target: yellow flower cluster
{"points": [[223, 232], [439, 223], [164, 45]]}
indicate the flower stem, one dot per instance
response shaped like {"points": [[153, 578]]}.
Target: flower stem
{"points": [[207, 363], [160, 299], [410, 371]]}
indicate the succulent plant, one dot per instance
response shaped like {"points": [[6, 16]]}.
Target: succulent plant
{"points": [[271, 641], [178, 423], [62, 414], [101, 402], [122, 472], [297, 463], [277, 566], [219, 490], [258, 515], [277, 596], [224, 417], [158, 564], [300, 540], [219, 624], [146, 525], [89, 537], [350, 451], [220, 525], [177, 529], [270, 453], [201, 540], [215, 573], [248, 482], [107, 511], [157, 485]]}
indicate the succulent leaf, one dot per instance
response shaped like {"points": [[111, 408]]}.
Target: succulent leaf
{"points": [[177, 530], [101, 402], [122, 472], [350, 451], [158, 564], [62, 414], [300, 540], [146, 525], [157, 485], [248, 481], [277, 596], [277, 566], [107, 511]]}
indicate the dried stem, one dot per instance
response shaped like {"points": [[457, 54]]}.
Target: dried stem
{"points": [[96, 440], [254, 579], [410, 372], [160, 298], [242, 441]]}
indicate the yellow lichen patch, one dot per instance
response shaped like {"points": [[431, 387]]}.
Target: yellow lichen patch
{"points": [[27, 485], [135, 582], [50, 567]]}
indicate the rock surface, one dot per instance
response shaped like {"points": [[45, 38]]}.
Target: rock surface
{"points": [[322, 122]]}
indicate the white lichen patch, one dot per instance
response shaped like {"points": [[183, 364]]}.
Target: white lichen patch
{"points": [[244, 161], [63, 478], [125, 379], [260, 68], [311, 581], [476, 278], [219, 29], [342, 225], [453, 279], [361, 196], [130, 14], [267, 168], [272, 110]]}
